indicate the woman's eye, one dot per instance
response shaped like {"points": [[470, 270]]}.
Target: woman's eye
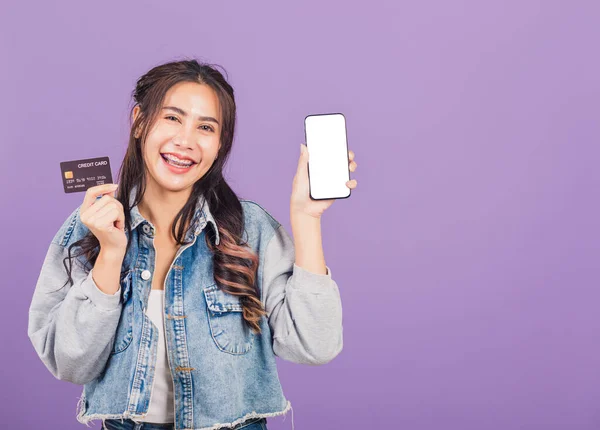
{"points": [[204, 127]]}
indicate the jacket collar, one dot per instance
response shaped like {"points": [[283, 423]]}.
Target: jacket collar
{"points": [[202, 216]]}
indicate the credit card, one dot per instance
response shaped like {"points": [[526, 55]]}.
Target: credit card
{"points": [[79, 175]]}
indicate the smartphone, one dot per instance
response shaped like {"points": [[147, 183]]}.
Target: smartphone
{"points": [[328, 161]]}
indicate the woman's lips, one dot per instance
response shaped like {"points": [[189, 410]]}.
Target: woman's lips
{"points": [[176, 169]]}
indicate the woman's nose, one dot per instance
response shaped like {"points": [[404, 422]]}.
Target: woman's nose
{"points": [[183, 138]]}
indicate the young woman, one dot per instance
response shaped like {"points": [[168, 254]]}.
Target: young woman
{"points": [[180, 294]]}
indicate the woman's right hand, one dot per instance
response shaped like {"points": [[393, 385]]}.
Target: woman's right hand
{"points": [[105, 218]]}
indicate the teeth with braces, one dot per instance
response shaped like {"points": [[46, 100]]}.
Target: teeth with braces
{"points": [[177, 161]]}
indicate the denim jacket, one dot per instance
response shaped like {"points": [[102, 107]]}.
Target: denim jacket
{"points": [[223, 373]]}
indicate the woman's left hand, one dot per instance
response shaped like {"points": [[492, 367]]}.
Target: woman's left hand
{"points": [[300, 202]]}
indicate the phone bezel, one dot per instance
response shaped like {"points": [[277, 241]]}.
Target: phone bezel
{"points": [[347, 154]]}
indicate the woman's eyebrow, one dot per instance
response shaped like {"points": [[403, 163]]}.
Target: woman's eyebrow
{"points": [[184, 113]]}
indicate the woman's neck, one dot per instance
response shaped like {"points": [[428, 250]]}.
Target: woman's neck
{"points": [[160, 206]]}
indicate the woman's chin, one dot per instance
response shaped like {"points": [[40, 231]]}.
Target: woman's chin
{"points": [[175, 186], [170, 183]]}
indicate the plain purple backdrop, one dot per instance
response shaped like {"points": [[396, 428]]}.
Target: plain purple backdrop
{"points": [[467, 258]]}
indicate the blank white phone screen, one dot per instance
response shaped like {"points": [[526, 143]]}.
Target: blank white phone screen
{"points": [[328, 155]]}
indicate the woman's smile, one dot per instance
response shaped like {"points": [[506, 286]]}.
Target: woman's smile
{"points": [[177, 165]]}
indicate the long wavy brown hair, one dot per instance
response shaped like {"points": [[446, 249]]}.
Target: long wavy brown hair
{"points": [[234, 262]]}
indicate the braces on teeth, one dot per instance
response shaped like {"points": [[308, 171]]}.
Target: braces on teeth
{"points": [[174, 160]]}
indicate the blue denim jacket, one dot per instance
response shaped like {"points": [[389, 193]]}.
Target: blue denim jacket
{"points": [[223, 373]]}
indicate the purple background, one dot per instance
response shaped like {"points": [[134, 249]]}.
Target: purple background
{"points": [[467, 257]]}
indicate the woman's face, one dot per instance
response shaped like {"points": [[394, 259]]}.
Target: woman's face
{"points": [[186, 131]]}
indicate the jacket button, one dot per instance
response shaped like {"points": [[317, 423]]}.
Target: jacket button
{"points": [[146, 275], [148, 230]]}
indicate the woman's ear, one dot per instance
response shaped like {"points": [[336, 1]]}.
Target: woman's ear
{"points": [[135, 113]]}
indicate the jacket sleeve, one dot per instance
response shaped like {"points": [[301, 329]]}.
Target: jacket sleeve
{"points": [[304, 309], [72, 328]]}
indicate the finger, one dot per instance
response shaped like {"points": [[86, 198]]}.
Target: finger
{"points": [[98, 208], [352, 183], [90, 214], [352, 166], [351, 155], [93, 192], [98, 205], [303, 160], [105, 217], [120, 222]]}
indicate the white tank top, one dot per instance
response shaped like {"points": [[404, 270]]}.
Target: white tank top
{"points": [[161, 401]]}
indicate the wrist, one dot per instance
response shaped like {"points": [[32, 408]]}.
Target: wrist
{"points": [[305, 228], [303, 216], [111, 255]]}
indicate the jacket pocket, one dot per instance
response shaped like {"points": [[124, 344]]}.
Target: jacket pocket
{"points": [[124, 333], [227, 326]]}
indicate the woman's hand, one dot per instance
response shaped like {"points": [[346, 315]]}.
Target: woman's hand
{"points": [[105, 218], [301, 203]]}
